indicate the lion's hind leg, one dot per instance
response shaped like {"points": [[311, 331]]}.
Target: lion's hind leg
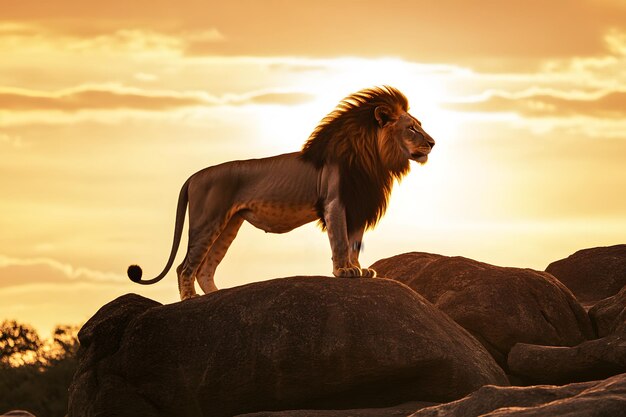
{"points": [[206, 272], [201, 239]]}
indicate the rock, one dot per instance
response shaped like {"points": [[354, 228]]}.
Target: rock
{"points": [[590, 360], [99, 339], [402, 410], [605, 398], [609, 315], [292, 343], [592, 274], [17, 413], [499, 306]]}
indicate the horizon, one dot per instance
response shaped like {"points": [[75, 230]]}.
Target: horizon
{"points": [[106, 110]]}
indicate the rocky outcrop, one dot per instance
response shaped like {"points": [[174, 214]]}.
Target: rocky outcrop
{"points": [[592, 274], [293, 343], [587, 399], [499, 306], [609, 315]]}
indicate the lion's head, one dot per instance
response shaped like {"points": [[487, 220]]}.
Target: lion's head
{"points": [[372, 137]]}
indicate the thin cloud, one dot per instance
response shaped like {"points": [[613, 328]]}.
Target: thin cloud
{"points": [[20, 271], [611, 105], [281, 98], [101, 36], [12, 140], [17, 29], [94, 100], [116, 98]]}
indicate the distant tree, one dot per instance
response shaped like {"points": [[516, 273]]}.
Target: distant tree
{"points": [[19, 343], [63, 344], [35, 374]]}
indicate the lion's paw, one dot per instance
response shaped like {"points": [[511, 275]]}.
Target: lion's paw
{"points": [[188, 296], [368, 273], [349, 272]]}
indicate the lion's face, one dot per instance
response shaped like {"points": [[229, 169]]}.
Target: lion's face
{"points": [[408, 138], [415, 141]]}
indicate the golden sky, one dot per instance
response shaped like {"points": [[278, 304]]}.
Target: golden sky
{"points": [[107, 107]]}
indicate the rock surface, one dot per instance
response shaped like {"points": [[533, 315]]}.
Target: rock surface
{"points": [[609, 315], [499, 306], [401, 410], [590, 360], [592, 274], [605, 398], [588, 399], [292, 343]]}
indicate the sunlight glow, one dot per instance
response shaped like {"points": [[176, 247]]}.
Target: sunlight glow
{"points": [[423, 85]]}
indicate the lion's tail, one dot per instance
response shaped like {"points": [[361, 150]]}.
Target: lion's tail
{"points": [[134, 271]]}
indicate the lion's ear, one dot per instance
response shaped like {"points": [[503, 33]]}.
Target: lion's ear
{"points": [[383, 115]]}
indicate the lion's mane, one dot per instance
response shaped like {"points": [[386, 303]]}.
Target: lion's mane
{"points": [[348, 137]]}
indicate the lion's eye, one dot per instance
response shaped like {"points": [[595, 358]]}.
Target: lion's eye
{"points": [[413, 129]]}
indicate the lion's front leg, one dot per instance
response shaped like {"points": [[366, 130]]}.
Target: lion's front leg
{"points": [[356, 244], [335, 218]]}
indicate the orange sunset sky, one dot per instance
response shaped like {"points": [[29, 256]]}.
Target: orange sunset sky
{"points": [[107, 107]]}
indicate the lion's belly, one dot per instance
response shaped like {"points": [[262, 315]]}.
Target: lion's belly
{"points": [[276, 217]]}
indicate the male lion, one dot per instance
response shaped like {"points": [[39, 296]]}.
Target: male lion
{"points": [[342, 176]]}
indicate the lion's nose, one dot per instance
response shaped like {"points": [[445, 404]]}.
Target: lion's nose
{"points": [[430, 141]]}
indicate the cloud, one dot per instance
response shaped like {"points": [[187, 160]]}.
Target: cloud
{"points": [[281, 98], [493, 33], [22, 271], [141, 40], [121, 98], [94, 99], [17, 29], [146, 77], [298, 66], [12, 140], [611, 105], [101, 36]]}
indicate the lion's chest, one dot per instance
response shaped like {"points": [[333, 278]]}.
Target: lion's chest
{"points": [[278, 217]]}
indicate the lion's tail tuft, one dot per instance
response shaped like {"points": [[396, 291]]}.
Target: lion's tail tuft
{"points": [[134, 273]]}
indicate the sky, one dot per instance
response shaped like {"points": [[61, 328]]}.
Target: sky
{"points": [[106, 108]]}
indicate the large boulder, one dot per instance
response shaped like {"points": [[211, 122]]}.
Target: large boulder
{"points": [[301, 342], [499, 306], [586, 399], [592, 274], [609, 315]]}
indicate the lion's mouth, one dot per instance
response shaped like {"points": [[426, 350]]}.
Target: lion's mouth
{"points": [[419, 156]]}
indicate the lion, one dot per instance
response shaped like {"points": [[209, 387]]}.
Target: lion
{"points": [[342, 177]]}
